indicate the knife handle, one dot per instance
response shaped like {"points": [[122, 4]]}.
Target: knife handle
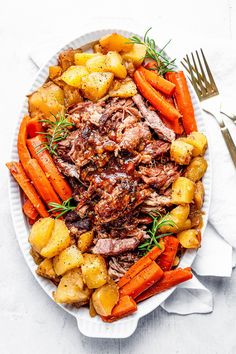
{"points": [[229, 142]]}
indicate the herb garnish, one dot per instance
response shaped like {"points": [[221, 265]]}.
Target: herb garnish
{"points": [[163, 63], [63, 208], [158, 222], [58, 129]]}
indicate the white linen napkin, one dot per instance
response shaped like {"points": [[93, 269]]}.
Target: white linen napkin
{"points": [[214, 258]]}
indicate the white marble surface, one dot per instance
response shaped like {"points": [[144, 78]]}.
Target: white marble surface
{"points": [[29, 321]]}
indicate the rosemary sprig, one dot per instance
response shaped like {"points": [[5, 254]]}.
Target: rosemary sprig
{"points": [[58, 129], [163, 63], [157, 223], [63, 208]]}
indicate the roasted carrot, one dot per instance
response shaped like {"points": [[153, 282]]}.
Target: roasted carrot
{"points": [[19, 174], [142, 281], [41, 182], [29, 210], [166, 259], [23, 152], [155, 98], [125, 307], [152, 64], [47, 164], [141, 264], [183, 100], [169, 279], [157, 81], [175, 125], [34, 127]]}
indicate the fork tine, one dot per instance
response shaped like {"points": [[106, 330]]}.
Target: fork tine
{"points": [[194, 81], [212, 81], [203, 75], [198, 75]]}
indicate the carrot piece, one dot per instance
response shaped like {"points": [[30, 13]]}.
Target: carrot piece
{"points": [[174, 125], [34, 126], [183, 100], [141, 264], [152, 64], [47, 164], [41, 182], [155, 98], [166, 259], [169, 279], [157, 81], [142, 281], [23, 152], [29, 210], [19, 174], [125, 307]]}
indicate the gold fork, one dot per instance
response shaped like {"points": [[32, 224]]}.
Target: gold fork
{"points": [[203, 82]]}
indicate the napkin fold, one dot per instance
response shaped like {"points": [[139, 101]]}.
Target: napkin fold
{"points": [[216, 256]]}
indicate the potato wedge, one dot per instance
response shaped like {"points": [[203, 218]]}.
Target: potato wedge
{"points": [[72, 95], [40, 233], [67, 58], [59, 240], [116, 42], [96, 63], [71, 289], [68, 259], [197, 168], [48, 99], [124, 89], [74, 74], [96, 85], [94, 270], [136, 55], [85, 241], [181, 152], [189, 238], [178, 215], [46, 270], [105, 298], [54, 71], [199, 195], [198, 141], [182, 191], [82, 58], [113, 63]]}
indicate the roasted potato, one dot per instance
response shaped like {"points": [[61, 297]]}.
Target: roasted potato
{"points": [[136, 55], [82, 58], [97, 48], [48, 99], [124, 89], [105, 298], [72, 95], [94, 270], [178, 215], [74, 74], [85, 241], [40, 233], [68, 259], [46, 270], [197, 168], [198, 141], [186, 225], [54, 72], [116, 42], [199, 195], [182, 191], [96, 63], [181, 152], [67, 58], [59, 240], [113, 63], [196, 218], [189, 238], [71, 289], [96, 85]]}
